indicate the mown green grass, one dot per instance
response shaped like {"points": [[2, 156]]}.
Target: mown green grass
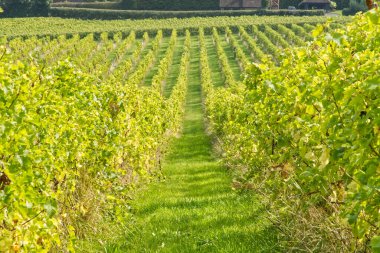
{"points": [[232, 60], [243, 46], [171, 80], [195, 209], [216, 70], [159, 56]]}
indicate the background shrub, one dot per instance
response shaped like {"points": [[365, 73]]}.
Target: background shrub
{"points": [[22, 8], [172, 4], [354, 7], [84, 13]]}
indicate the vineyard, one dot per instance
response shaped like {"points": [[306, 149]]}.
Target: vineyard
{"points": [[40, 27], [89, 118]]}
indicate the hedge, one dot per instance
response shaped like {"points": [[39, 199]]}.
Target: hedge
{"points": [[83, 13], [175, 4], [284, 4], [90, 5], [24, 8], [145, 5], [340, 4]]}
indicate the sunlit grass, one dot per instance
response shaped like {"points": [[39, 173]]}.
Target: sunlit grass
{"points": [[194, 209]]}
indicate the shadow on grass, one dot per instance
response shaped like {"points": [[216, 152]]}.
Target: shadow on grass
{"points": [[195, 209]]}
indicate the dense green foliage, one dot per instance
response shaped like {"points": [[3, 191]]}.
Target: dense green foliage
{"points": [[78, 135], [66, 167], [56, 26], [354, 7], [195, 207], [173, 4], [284, 4], [147, 5], [84, 13], [306, 133], [340, 4], [91, 5], [22, 8], [74, 144]]}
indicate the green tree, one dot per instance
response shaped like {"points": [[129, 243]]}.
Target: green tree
{"points": [[129, 4], [20, 8]]}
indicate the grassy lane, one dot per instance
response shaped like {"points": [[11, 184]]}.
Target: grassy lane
{"points": [[160, 54], [172, 77], [194, 209], [217, 76], [232, 60], [243, 46]]}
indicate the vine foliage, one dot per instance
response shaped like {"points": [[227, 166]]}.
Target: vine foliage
{"points": [[308, 130]]}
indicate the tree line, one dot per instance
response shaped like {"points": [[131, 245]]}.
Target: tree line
{"points": [[19, 8]]}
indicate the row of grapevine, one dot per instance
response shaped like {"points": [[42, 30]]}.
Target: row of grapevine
{"points": [[126, 66], [275, 37], [163, 68], [290, 36], [308, 27], [223, 60], [77, 130], [306, 135], [254, 42], [301, 32], [72, 147], [266, 43], [206, 80], [90, 53], [257, 53], [121, 50], [177, 98], [238, 51], [105, 57], [55, 26], [139, 73]]}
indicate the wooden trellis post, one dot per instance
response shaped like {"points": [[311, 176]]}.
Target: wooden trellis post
{"points": [[274, 4]]}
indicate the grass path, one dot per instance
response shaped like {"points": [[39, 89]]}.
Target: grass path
{"points": [[194, 209]]}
